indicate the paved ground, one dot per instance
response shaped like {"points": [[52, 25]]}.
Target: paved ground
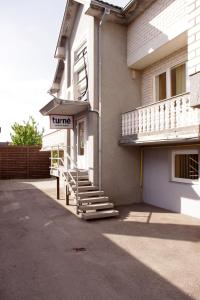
{"points": [[147, 253]]}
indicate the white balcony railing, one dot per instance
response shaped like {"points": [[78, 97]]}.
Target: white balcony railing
{"points": [[163, 115]]}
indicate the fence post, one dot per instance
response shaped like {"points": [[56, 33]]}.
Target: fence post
{"points": [[58, 187], [67, 195]]}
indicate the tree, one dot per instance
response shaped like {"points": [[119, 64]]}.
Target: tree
{"points": [[26, 133]]}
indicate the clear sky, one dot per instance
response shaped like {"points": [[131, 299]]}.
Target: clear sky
{"points": [[28, 33], [118, 2]]}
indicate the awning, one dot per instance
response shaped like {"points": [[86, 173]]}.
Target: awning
{"points": [[64, 107]]}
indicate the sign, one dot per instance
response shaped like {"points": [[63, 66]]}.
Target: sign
{"points": [[61, 122]]}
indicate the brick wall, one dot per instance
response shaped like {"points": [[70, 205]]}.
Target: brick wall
{"points": [[193, 11], [161, 22], [24, 162], [160, 66]]}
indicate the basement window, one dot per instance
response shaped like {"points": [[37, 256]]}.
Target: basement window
{"points": [[185, 166]]}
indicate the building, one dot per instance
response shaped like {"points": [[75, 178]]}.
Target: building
{"points": [[130, 78]]}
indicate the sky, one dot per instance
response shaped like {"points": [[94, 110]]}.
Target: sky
{"points": [[118, 2], [28, 34]]}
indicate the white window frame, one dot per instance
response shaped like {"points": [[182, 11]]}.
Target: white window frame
{"points": [[78, 66], [168, 81], [78, 49], [183, 180]]}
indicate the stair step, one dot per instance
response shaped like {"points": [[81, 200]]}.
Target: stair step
{"points": [[83, 183], [80, 172], [81, 177], [94, 200], [100, 214], [85, 188], [90, 194], [96, 206]]}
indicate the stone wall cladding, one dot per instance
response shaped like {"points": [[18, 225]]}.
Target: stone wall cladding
{"points": [[160, 66], [193, 11], [158, 18]]}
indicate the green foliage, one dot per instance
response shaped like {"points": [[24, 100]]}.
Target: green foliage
{"points": [[27, 133]]}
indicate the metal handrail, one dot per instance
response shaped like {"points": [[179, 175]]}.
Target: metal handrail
{"points": [[59, 159]]}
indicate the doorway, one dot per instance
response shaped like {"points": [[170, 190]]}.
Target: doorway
{"points": [[81, 144]]}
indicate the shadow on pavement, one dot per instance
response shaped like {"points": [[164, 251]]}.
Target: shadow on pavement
{"points": [[120, 259]]}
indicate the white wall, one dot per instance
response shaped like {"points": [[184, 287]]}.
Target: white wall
{"points": [[57, 137], [83, 30], [159, 190]]}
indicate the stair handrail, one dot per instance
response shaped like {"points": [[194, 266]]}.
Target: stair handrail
{"points": [[59, 159]]}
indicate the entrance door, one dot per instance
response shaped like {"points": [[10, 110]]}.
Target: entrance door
{"points": [[81, 144]]}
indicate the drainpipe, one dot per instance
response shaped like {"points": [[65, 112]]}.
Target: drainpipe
{"points": [[101, 22], [141, 167]]}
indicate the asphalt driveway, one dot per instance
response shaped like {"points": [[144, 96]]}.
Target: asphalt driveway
{"points": [[47, 253]]}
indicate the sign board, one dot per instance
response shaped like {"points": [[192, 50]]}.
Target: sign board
{"points": [[61, 122]]}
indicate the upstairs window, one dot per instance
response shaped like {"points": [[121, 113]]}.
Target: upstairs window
{"points": [[80, 52], [170, 83], [178, 80], [80, 72], [161, 87], [81, 75], [185, 166]]}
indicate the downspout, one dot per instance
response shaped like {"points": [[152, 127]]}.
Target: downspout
{"points": [[101, 22], [141, 167]]}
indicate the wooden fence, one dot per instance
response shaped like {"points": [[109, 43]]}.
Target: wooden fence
{"points": [[24, 162]]}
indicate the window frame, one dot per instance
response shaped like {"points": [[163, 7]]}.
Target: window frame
{"points": [[83, 44], [184, 180], [157, 88], [172, 68], [78, 67], [168, 81]]}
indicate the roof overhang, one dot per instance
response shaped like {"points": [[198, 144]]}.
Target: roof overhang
{"points": [[64, 107], [57, 77], [98, 8], [67, 23], [135, 8], [119, 15]]}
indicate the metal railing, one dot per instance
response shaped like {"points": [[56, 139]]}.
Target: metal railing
{"points": [[64, 170]]}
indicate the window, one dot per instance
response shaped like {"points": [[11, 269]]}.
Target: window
{"points": [[80, 52], [81, 75], [170, 83], [185, 166], [161, 87], [178, 80], [80, 72], [81, 138]]}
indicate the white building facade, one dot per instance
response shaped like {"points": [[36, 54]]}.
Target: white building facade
{"points": [[130, 79]]}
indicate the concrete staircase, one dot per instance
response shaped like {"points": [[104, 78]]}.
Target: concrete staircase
{"points": [[92, 203]]}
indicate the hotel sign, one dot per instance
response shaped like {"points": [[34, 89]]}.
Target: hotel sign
{"points": [[61, 122]]}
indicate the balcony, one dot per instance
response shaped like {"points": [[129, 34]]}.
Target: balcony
{"points": [[170, 120]]}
